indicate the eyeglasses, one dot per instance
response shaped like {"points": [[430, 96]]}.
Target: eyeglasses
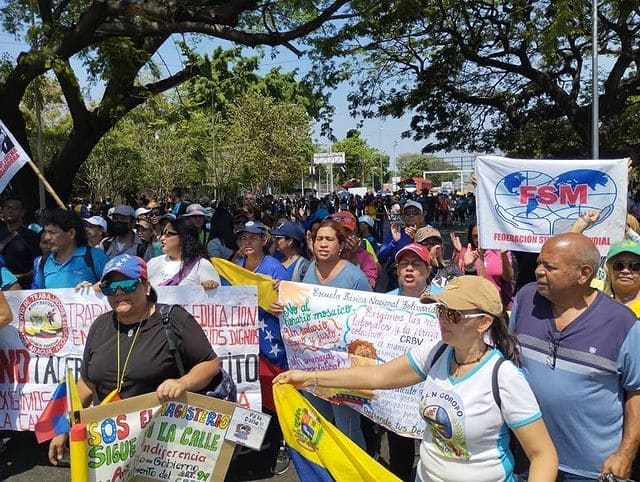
{"points": [[168, 234], [554, 344], [412, 213], [155, 213], [109, 288], [453, 317], [632, 266]]}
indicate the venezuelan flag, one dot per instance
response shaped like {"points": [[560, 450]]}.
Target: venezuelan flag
{"points": [[54, 419], [235, 275], [320, 452]]}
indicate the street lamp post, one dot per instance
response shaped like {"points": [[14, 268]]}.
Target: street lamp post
{"points": [[595, 148]]}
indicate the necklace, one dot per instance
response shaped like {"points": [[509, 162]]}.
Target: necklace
{"points": [[460, 364], [120, 378]]}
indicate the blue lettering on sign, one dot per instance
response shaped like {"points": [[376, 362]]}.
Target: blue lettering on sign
{"points": [[538, 203]]}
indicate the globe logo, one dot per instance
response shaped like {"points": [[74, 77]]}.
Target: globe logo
{"points": [[540, 204]]}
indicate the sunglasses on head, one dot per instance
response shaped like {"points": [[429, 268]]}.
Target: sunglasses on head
{"points": [[632, 266], [453, 317], [109, 288]]}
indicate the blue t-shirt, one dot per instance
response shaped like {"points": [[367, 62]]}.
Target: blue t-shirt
{"points": [[350, 277], [72, 271], [8, 279], [390, 247], [271, 345], [580, 374]]}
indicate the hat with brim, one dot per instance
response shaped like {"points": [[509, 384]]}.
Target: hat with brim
{"points": [[130, 266], [468, 293], [141, 212], [420, 251], [426, 233], [97, 221], [124, 210], [253, 227], [194, 210], [626, 246], [410, 203], [291, 230]]}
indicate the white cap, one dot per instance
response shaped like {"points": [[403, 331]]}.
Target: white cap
{"points": [[413, 203], [140, 211], [97, 221], [194, 210]]}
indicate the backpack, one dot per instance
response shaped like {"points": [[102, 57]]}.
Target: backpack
{"points": [[222, 386], [88, 260], [141, 248], [495, 387]]}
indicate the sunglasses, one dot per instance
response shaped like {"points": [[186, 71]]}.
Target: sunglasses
{"points": [[155, 213], [632, 266], [554, 344], [453, 317], [109, 288], [169, 234]]}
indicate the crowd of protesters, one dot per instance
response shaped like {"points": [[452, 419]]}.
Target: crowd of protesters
{"points": [[578, 346]]}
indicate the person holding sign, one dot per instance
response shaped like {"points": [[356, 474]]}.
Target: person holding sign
{"points": [[127, 351], [473, 391]]}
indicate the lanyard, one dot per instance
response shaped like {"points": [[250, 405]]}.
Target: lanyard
{"points": [[120, 378]]}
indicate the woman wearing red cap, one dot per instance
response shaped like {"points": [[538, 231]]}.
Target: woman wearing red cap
{"points": [[127, 352], [473, 392]]}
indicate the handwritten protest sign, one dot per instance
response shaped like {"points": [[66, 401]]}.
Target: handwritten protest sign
{"points": [[50, 329], [140, 439], [522, 202], [325, 328]]}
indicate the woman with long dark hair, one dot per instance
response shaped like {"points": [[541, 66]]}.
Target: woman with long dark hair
{"points": [[185, 260], [473, 390]]}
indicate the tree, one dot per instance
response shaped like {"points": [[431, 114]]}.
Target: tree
{"points": [[414, 165], [268, 143], [115, 41], [486, 75], [361, 160]]}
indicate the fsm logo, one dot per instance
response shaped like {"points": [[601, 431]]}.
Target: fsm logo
{"points": [[538, 203]]}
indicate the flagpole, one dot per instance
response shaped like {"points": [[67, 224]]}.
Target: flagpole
{"points": [[46, 184]]}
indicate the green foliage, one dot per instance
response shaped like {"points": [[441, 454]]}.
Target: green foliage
{"points": [[414, 165], [362, 161]]}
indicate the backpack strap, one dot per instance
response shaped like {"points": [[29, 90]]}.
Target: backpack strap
{"points": [[88, 260], [165, 316], [438, 354], [495, 387]]}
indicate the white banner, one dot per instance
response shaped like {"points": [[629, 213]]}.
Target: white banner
{"points": [[523, 202], [325, 328], [12, 156], [50, 328]]}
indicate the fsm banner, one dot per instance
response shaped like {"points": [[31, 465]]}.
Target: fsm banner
{"points": [[325, 328], [141, 439], [50, 329], [523, 202]]}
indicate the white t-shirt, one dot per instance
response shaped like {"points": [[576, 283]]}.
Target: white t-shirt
{"points": [[162, 268], [466, 436]]}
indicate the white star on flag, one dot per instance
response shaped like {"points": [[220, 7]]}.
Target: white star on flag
{"points": [[268, 336], [275, 350], [261, 324]]}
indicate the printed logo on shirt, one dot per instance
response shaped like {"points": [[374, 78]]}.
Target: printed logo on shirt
{"points": [[42, 323], [444, 413]]}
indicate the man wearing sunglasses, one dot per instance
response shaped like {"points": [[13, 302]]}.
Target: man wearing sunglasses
{"points": [[580, 353]]}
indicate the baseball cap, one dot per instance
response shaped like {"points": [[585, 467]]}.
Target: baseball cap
{"points": [[626, 246], [320, 214], [426, 233], [194, 210], [290, 230], [345, 219], [254, 227], [468, 293], [124, 210], [144, 224], [96, 221], [412, 203], [130, 266], [365, 218], [421, 251], [140, 211]]}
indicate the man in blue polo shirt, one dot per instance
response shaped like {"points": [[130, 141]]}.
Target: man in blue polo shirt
{"points": [[579, 350], [71, 261]]}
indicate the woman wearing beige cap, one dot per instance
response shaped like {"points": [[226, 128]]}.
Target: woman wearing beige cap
{"points": [[470, 398]]}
